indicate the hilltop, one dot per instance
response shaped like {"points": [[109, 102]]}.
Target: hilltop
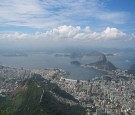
{"points": [[37, 96]]}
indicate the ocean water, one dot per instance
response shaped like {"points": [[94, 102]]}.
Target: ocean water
{"points": [[123, 60], [43, 60]]}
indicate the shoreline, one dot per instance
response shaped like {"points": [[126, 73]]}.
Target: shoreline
{"points": [[96, 68]]}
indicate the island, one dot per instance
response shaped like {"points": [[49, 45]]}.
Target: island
{"points": [[77, 63]]}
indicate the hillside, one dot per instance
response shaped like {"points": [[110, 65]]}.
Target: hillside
{"points": [[37, 96], [132, 69]]}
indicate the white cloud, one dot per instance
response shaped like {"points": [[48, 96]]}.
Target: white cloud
{"points": [[87, 29], [112, 33], [13, 36], [62, 32], [53, 13], [70, 33], [77, 33]]}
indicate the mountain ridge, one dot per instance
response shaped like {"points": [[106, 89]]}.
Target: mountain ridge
{"points": [[33, 97]]}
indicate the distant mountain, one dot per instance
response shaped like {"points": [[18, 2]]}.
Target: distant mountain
{"points": [[102, 64], [37, 96], [78, 53], [1, 67], [132, 69]]}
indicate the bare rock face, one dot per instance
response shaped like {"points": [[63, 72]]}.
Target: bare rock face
{"points": [[102, 58]]}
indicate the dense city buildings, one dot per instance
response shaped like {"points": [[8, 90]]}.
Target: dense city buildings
{"points": [[111, 94]]}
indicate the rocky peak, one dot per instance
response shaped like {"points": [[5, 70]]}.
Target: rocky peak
{"points": [[102, 58]]}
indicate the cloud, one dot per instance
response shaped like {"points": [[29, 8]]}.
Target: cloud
{"points": [[51, 13], [78, 33], [114, 17], [62, 32], [112, 33], [13, 36], [87, 29], [70, 33]]}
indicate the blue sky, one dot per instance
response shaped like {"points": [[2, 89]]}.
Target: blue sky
{"points": [[90, 20]]}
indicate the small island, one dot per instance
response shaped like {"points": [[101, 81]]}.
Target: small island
{"points": [[77, 63]]}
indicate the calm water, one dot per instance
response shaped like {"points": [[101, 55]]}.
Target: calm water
{"points": [[42, 60], [123, 60]]}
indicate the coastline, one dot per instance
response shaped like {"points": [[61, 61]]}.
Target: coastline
{"points": [[96, 68]]}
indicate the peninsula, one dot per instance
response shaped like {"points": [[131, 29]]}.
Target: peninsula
{"points": [[103, 64]]}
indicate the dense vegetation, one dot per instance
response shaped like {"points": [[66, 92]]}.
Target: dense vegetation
{"points": [[3, 112], [33, 97], [63, 94], [54, 107]]}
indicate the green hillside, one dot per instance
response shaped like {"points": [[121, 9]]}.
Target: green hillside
{"points": [[33, 97]]}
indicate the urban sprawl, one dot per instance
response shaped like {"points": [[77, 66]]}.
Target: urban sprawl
{"points": [[113, 93]]}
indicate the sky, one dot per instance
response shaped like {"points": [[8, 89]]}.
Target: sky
{"points": [[49, 23]]}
